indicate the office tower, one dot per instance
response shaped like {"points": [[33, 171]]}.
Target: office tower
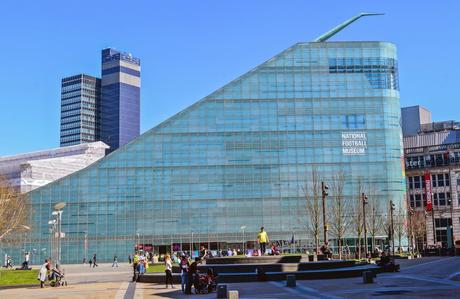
{"points": [[80, 96], [120, 98]]}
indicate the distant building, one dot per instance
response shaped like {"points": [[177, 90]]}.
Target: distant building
{"points": [[120, 98], [413, 118], [432, 159], [80, 97], [32, 170]]}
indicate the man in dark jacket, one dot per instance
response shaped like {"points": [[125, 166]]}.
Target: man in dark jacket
{"points": [[192, 275]]}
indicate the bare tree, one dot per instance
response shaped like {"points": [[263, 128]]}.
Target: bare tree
{"points": [[312, 192], [374, 217], [419, 228], [338, 220], [14, 210], [400, 225], [357, 216]]}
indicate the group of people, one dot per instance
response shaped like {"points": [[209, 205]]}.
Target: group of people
{"points": [[92, 261], [140, 263], [8, 262], [189, 273]]}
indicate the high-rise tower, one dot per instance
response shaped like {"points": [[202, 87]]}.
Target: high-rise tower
{"points": [[80, 95], [120, 98]]}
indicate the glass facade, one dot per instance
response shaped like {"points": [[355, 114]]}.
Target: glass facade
{"points": [[240, 157], [80, 98], [120, 99]]}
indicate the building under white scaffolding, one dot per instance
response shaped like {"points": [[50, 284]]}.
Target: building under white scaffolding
{"points": [[32, 170]]}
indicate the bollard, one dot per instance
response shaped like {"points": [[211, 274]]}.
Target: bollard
{"points": [[368, 277], [290, 281], [222, 291], [233, 295]]}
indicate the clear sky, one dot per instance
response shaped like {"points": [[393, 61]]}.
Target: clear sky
{"points": [[190, 48]]}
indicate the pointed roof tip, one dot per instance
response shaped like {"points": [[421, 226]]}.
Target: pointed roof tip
{"points": [[335, 30], [372, 13]]}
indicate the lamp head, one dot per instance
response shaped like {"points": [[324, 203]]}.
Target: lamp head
{"points": [[59, 206]]}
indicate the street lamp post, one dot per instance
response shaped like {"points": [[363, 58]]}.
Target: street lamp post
{"points": [[392, 208], [364, 199], [86, 246], [451, 226], [244, 240], [324, 194], [52, 228], [57, 228], [411, 230], [191, 246]]}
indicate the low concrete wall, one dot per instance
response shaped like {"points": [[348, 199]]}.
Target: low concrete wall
{"points": [[266, 259], [299, 275], [330, 270]]}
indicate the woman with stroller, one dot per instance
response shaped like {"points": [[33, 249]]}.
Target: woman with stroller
{"points": [[43, 273]]}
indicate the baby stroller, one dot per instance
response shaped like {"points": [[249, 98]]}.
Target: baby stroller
{"points": [[205, 283], [57, 278]]}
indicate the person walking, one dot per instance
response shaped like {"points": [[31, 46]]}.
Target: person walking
{"points": [[130, 259], [94, 261], [262, 239], [184, 265], [26, 260], [42, 274], [9, 262], [115, 261], [168, 271]]}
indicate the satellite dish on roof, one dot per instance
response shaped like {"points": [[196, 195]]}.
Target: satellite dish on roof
{"points": [[59, 206]]}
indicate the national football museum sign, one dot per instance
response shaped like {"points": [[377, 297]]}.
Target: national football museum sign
{"points": [[354, 143]]}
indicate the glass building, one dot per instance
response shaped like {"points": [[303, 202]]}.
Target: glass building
{"points": [[120, 98], [240, 157], [80, 97]]}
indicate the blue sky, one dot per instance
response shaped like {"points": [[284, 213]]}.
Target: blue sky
{"points": [[190, 48]]}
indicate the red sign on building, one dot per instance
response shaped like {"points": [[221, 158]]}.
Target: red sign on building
{"points": [[428, 191]]}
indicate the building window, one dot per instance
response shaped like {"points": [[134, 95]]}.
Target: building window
{"points": [[382, 73], [442, 224], [441, 198], [411, 201], [440, 180], [354, 121], [418, 200], [417, 183]]}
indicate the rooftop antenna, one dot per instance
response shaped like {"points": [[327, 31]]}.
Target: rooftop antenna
{"points": [[335, 30]]}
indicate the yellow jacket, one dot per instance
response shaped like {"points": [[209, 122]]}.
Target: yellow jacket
{"points": [[262, 237]]}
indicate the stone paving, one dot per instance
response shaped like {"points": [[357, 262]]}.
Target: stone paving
{"points": [[423, 278]]}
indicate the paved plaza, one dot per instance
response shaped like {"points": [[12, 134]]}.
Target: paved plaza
{"points": [[422, 278]]}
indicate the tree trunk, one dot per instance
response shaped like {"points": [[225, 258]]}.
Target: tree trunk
{"points": [[359, 247], [340, 247], [316, 244]]}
